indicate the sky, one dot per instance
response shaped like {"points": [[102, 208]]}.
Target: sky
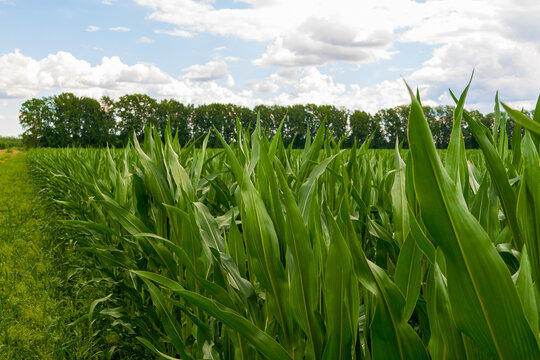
{"points": [[350, 53]]}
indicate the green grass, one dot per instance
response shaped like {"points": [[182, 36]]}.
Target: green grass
{"points": [[26, 308], [42, 287]]}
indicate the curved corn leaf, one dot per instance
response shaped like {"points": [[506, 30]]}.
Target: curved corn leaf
{"points": [[399, 200], [532, 125], [499, 178], [527, 291], [262, 244], [259, 339], [456, 160], [484, 300], [409, 274], [528, 207]]}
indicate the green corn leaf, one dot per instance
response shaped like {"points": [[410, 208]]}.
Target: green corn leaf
{"points": [[446, 340], [528, 207], [532, 125], [421, 239], [409, 274], [307, 188], [456, 160], [391, 335], [338, 288], [170, 323], [262, 244], [484, 300], [399, 200], [149, 345], [499, 178], [527, 291], [259, 339], [304, 288]]}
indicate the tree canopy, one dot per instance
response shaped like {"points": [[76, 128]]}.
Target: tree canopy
{"points": [[67, 120]]}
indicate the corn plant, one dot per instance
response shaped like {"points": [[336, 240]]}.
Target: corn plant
{"points": [[257, 251]]}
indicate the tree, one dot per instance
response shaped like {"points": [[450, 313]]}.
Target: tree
{"points": [[35, 116], [394, 124], [336, 119], [220, 116], [440, 120], [108, 108], [271, 117], [134, 113], [246, 116], [179, 115], [298, 119], [362, 126], [66, 121], [97, 124], [468, 137]]}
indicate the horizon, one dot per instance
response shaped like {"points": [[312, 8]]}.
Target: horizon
{"points": [[250, 52]]}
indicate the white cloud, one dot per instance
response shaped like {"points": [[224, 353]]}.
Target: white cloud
{"points": [[500, 64], [212, 70], [230, 83], [175, 32], [304, 33], [309, 85], [219, 48], [23, 77], [146, 40], [300, 32], [271, 84], [95, 48], [119, 28], [92, 28], [106, 2]]}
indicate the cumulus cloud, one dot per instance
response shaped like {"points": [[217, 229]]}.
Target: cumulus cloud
{"points": [[300, 32], [500, 39], [212, 70], [500, 64], [309, 85], [23, 77], [175, 32], [146, 40], [306, 33], [119, 28]]}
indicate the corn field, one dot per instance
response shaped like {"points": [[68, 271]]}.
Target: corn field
{"points": [[258, 251]]}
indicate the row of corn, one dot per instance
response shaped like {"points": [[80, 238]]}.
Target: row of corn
{"points": [[259, 251]]}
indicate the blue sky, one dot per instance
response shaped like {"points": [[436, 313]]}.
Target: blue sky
{"points": [[344, 52]]}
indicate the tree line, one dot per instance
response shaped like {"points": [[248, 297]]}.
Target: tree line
{"points": [[68, 120], [8, 142]]}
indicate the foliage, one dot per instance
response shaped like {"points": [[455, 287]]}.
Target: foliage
{"points": [[66, 120], [44, 288], [7, 142], [257, 250]]}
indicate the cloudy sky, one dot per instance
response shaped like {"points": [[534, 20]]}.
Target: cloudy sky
{"points": [[348, 53]]}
